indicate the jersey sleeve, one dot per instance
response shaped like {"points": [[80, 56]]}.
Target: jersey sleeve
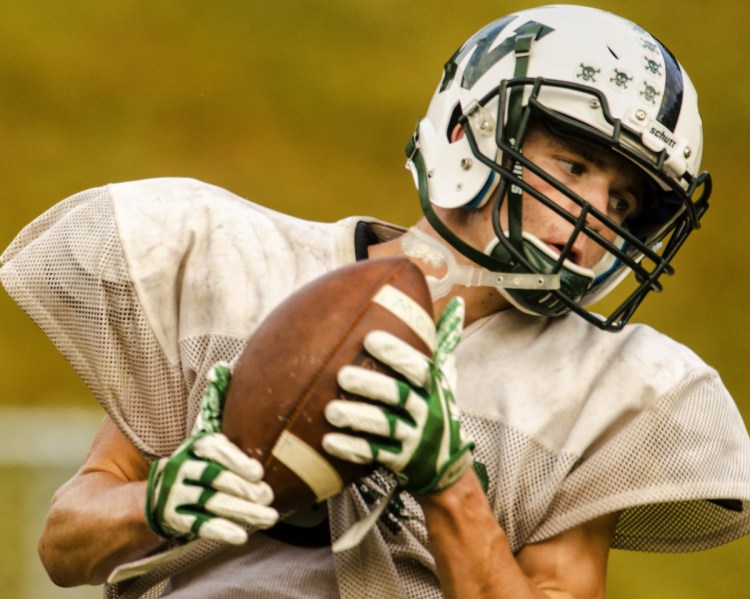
{"points": [[575, 423], [67, 270], [679, 472], [144, 285]]}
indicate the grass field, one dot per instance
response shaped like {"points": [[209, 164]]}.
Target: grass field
{"points": [[306, 107]]}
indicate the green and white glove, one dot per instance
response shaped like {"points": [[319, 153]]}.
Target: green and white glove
{"points": [[415, 429], [208, 487]]}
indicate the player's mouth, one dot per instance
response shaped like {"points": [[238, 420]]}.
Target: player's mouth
{"points": [[574, 255]]}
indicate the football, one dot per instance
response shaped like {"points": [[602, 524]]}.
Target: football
{"points": [[286, 374]]}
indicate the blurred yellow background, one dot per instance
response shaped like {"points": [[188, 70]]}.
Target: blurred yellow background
{"points": [[305, 106]]}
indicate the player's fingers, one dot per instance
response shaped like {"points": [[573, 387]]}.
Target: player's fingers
{"points": [[346, 447], [230, 483], [219, 529], [399, 355], [195, 476], [240, 510], [359, 417], [370, 384], [217, 448], [395, 460]]}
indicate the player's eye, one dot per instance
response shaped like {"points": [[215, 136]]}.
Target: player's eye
{"points": [[572, 167], [622, 207]]}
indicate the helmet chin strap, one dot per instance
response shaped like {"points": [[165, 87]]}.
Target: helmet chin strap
{"points": [[573, 280], [534, 290], [419, 246]]}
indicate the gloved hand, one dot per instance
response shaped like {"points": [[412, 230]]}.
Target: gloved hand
{"points": [[416, 430], [208, 484]]}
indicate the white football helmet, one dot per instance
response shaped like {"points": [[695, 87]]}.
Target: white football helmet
{"points": [[586, 74]]}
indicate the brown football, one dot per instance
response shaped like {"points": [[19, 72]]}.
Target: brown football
{"points": [[287, 371]]}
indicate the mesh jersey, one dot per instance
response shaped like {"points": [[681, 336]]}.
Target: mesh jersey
{"points": [[142, 286]]}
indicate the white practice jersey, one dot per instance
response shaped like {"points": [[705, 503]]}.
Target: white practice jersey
{"points": [[144, 285]]}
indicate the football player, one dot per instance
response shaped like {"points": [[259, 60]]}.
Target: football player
{"points": [[560, 157]]}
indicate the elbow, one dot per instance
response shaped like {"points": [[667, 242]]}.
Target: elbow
{"points": [[56, 574], [59, 566]]}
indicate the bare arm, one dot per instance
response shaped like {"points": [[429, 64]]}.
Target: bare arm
{"points": [[474, 558], [97, 519]]}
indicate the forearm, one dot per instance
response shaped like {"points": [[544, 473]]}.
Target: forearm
{"points": [[96, 522], [471, 550]]}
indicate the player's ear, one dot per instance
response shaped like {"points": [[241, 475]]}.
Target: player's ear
{"points": [[457, 133]]}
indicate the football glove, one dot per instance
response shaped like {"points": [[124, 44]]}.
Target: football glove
{"points": [[208, 487], [414, 430]]}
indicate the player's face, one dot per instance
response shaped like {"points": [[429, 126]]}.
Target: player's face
{"points": [[611, 184]]}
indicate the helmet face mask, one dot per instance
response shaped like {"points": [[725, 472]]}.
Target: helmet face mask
{"points": [[542, 67]]}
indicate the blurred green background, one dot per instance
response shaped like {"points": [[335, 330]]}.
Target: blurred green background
{"points": [[305, 106]]}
